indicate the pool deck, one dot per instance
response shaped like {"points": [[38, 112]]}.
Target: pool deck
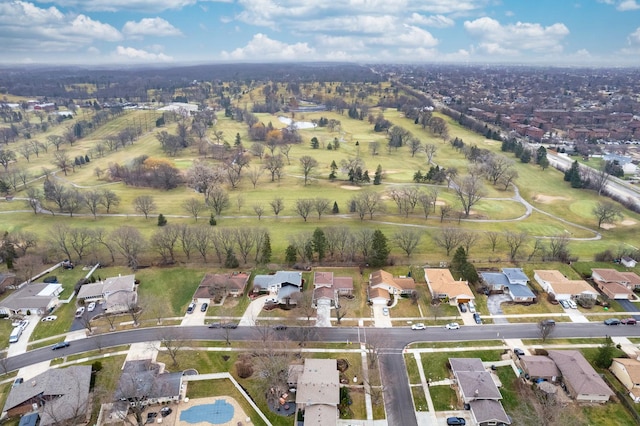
{"points": [[239, 416]]}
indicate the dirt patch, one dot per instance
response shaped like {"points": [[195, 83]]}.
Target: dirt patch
{"points": [[390, 172], [548, 199], [440, 203], [628, 222], [351, 187], [607, 226]]}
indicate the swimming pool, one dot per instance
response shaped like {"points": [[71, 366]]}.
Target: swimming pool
{"points": [[219, 412]]}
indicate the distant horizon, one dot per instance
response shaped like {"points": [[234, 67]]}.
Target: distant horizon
{"points": [[123, 33]]}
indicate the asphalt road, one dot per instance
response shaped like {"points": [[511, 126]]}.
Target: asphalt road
{"points": [[390, 342]]}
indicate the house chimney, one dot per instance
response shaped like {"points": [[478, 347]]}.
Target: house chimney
{"points": [[477, 392]]}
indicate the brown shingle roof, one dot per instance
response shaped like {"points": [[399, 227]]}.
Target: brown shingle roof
{"points": [[441, 281], [609, 275], [539, 366], [577, 371]]}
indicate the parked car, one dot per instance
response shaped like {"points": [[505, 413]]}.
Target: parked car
{"points": [[191, 308], [17, 381], [463, 307], [23, 324], [230, 325], [385, 311], [564, 304], [165, 411], [572, 304], [476, 318], [79, 311], [151, 417], [280, 327], [60, 345], [612, 321], [456, 421], [51, 279], [204, 307], [49, 318], [629, 321], [549, 322], [472, 307], [418, 326], [215, 325], [91, 306], [452, 326], [519, 352]]}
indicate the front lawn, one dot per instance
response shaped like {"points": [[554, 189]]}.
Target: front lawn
{"points": [[435, 364], [444, 398]]}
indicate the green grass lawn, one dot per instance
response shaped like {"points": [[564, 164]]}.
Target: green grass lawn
{"points": [[412, 368], [435, 364], [419, 399], [444, 398]]}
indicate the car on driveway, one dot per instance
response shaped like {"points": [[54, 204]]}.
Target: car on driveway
{"points": [[91, 306], [456, 421], [612, 321], [17, 381], [519, 352], [452, 326], [418, 326], [564, 304], [629, 321], [385, 311], [476, 318], [204, 307], [165, 411], [60, 345], [572, 304], [151, 417], [191, 308], [79, 311], [463, 307], [49, 318], [23, 324]]}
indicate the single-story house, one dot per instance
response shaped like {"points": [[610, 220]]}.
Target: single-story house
{"points": [[628, 372], [628, 262], [38, 298], [614, 284], [59, 395], [540, 367], [318, 391], [117, 294], [442, 286], [489, 412], [273, 283], [583, 383], [554, 282], [232, 284], [144, 382], [382, 285], [474, 385], [329, 288], [633, 279], [510, 283]]}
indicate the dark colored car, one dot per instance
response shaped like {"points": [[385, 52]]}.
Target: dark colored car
{"points": [[549, 322], [204, 307], [463, 307], [191, 308], [215, 325], [230, 325], [280, 327], [519, 352], [455, 421], [478, 320], [165, 411], [629, 321], [60, 345], [151, 417], [17, 381], [612, 321]]}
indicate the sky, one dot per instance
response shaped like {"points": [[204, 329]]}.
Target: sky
{"points": [[178, 32]]}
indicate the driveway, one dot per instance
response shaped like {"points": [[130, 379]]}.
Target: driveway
{"points": [[195, 318], [493, 304], [380, 319], [78, 324], [323, 313], [253, 311], [630, 306]]}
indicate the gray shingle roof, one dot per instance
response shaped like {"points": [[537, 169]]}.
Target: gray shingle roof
{"points": [[280, 277], [577, 372], [489, 411]]}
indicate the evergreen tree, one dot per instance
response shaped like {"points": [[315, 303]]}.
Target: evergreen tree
{"points": [[162, 221], [238, 141], [336, 143], [573, 175], [605, 353], [417, 177], [290, 255], [526, 156], [540, 154], [459, 260], [334, 169], [377, 178], [379, 256], [265, 252], [212, 220], [335, 209], [319, 242], [231, 261], [86, 158], [544, 162], [315, 144]]}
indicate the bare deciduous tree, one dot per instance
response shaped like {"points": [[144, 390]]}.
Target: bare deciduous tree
{"points": [[407, 239], [307, 163], [130, 243], [144, 204], [469, 191], [493, 238], [277, 205], [607, 212], [515, 240], [193, 206], [303, 207], [449, 238]]}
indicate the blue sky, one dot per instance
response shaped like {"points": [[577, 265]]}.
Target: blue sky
{"points": [[124, 32]]}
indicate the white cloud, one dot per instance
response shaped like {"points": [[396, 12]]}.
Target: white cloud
{"points": [[495, 38], [628, 5], [24, 26], [138, 55], [364, 24], [150, 27], [261, 48], [436, 21], [120, 5], [634, 37]]}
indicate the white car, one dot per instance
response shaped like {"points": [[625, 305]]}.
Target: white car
{"points": [[79, 311], [49, 318], [385, 311], [91, 306], [23, 324], [452, 326], [565, 304], [572, 304], [418, 326]]}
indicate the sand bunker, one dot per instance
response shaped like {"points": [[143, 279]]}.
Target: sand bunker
{"points": [[548, 199], [628, 222], [607, 226], [351, 187]]}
